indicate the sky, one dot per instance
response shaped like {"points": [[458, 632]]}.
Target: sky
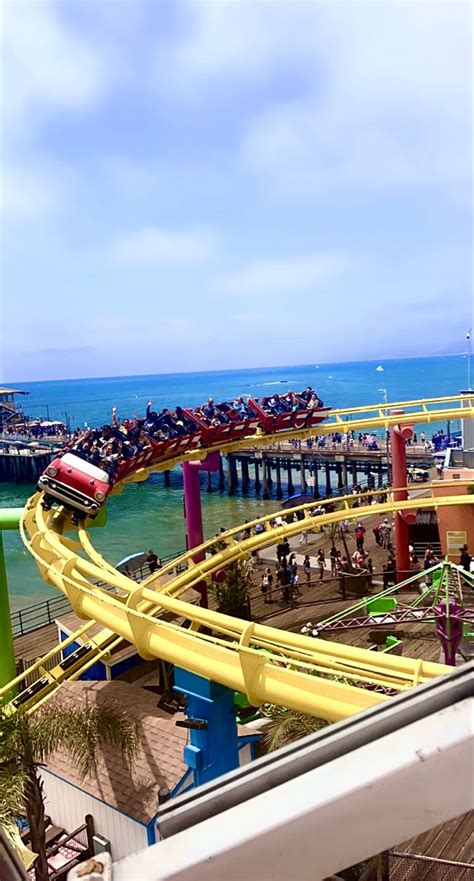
{"points": [[213, 185]]}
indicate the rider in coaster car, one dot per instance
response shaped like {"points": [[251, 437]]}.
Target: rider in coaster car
{"points": [[150, 422], [277, 405], [160, 425], [184, 425], [306, 395], [291, 401], [210, 412], [241, 407]]}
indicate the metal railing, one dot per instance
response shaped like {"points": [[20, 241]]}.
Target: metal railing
{"points": [[414, 867], [44, 613], [24, 664], [75, 848], [38, 615], [360, 585]]}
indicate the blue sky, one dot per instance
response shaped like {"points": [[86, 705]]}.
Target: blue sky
{"points": [[201, 186]]}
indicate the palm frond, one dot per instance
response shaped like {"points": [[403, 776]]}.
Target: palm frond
{"points": [[286, 726], [101, 725], [12, 731], [83, 733], [12, 787]]}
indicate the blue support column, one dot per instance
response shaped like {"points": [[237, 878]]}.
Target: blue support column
{"points": [[213, 751]]}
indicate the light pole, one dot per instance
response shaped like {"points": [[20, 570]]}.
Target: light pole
{"points": [[387, 451], [469, 356]]}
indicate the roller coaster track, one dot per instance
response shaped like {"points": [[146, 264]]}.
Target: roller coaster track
{"points": [[269, 665]]}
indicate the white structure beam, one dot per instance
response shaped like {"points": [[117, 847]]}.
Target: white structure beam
{"points": [[338, 813]]}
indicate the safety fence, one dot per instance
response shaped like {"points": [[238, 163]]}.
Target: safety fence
{"points": [[312, 593], [44, 613], [24, 664], [414, 867], [68, 852], [38, 615]]}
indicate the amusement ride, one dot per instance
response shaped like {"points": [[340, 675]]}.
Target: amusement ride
{"points": [[268, 665]]}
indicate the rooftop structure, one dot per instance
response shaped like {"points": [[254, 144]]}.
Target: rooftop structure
{"points": [[8, 404], [124, 803]]}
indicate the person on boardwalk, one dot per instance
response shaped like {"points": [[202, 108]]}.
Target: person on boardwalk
{"points": [[343, 564], [360, 535], [307, 568], [267, 578], [465, 558], [152, 560], [286, 583], [386, 534], [266, 585], [321, 563], [378, 534], [389, 574], [294, 578], [358, 558], [334, 557], [370, 571]]}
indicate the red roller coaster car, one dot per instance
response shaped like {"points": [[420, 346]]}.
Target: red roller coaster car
{"points": [[75, 482]]}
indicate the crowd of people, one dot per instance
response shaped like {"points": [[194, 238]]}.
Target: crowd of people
{"points": [[121, 440], [349, 440], [35, 429], [284, 580]]}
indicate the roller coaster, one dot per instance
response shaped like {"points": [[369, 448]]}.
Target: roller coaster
{"points": [[316, 676]]}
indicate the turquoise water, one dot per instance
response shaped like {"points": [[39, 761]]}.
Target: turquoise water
{"points": [[147, 515], [340, 385], [150, 515]]}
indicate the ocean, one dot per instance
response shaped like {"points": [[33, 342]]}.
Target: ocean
{"points": [[150, 515]]}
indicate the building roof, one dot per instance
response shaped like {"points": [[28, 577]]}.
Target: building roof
{"points": [[159, 762], [12, 391]]}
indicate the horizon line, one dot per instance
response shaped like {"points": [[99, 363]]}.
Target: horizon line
{"points": [[233, 369]]}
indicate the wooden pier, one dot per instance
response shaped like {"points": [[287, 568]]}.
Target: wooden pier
{"points": [[284, 470], [23, 466]]}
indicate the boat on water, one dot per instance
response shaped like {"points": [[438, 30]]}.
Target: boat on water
{"points": [[379, 368]]}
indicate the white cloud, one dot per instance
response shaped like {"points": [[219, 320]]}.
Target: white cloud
{"points": [[47, 67], [32, 192], [132, 177], [388, 107], [151, 244], [377, 95], [283, 276], [240, 40]]}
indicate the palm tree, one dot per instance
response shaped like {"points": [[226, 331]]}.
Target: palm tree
{"points": [[231, 593], [286, 726], [26, 741]]}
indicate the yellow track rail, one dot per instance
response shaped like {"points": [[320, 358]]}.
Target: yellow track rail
{"points": [[311, 675]]}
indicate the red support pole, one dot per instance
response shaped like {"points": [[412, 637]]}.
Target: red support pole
{"points": [[193, 509], [398, 435]]}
